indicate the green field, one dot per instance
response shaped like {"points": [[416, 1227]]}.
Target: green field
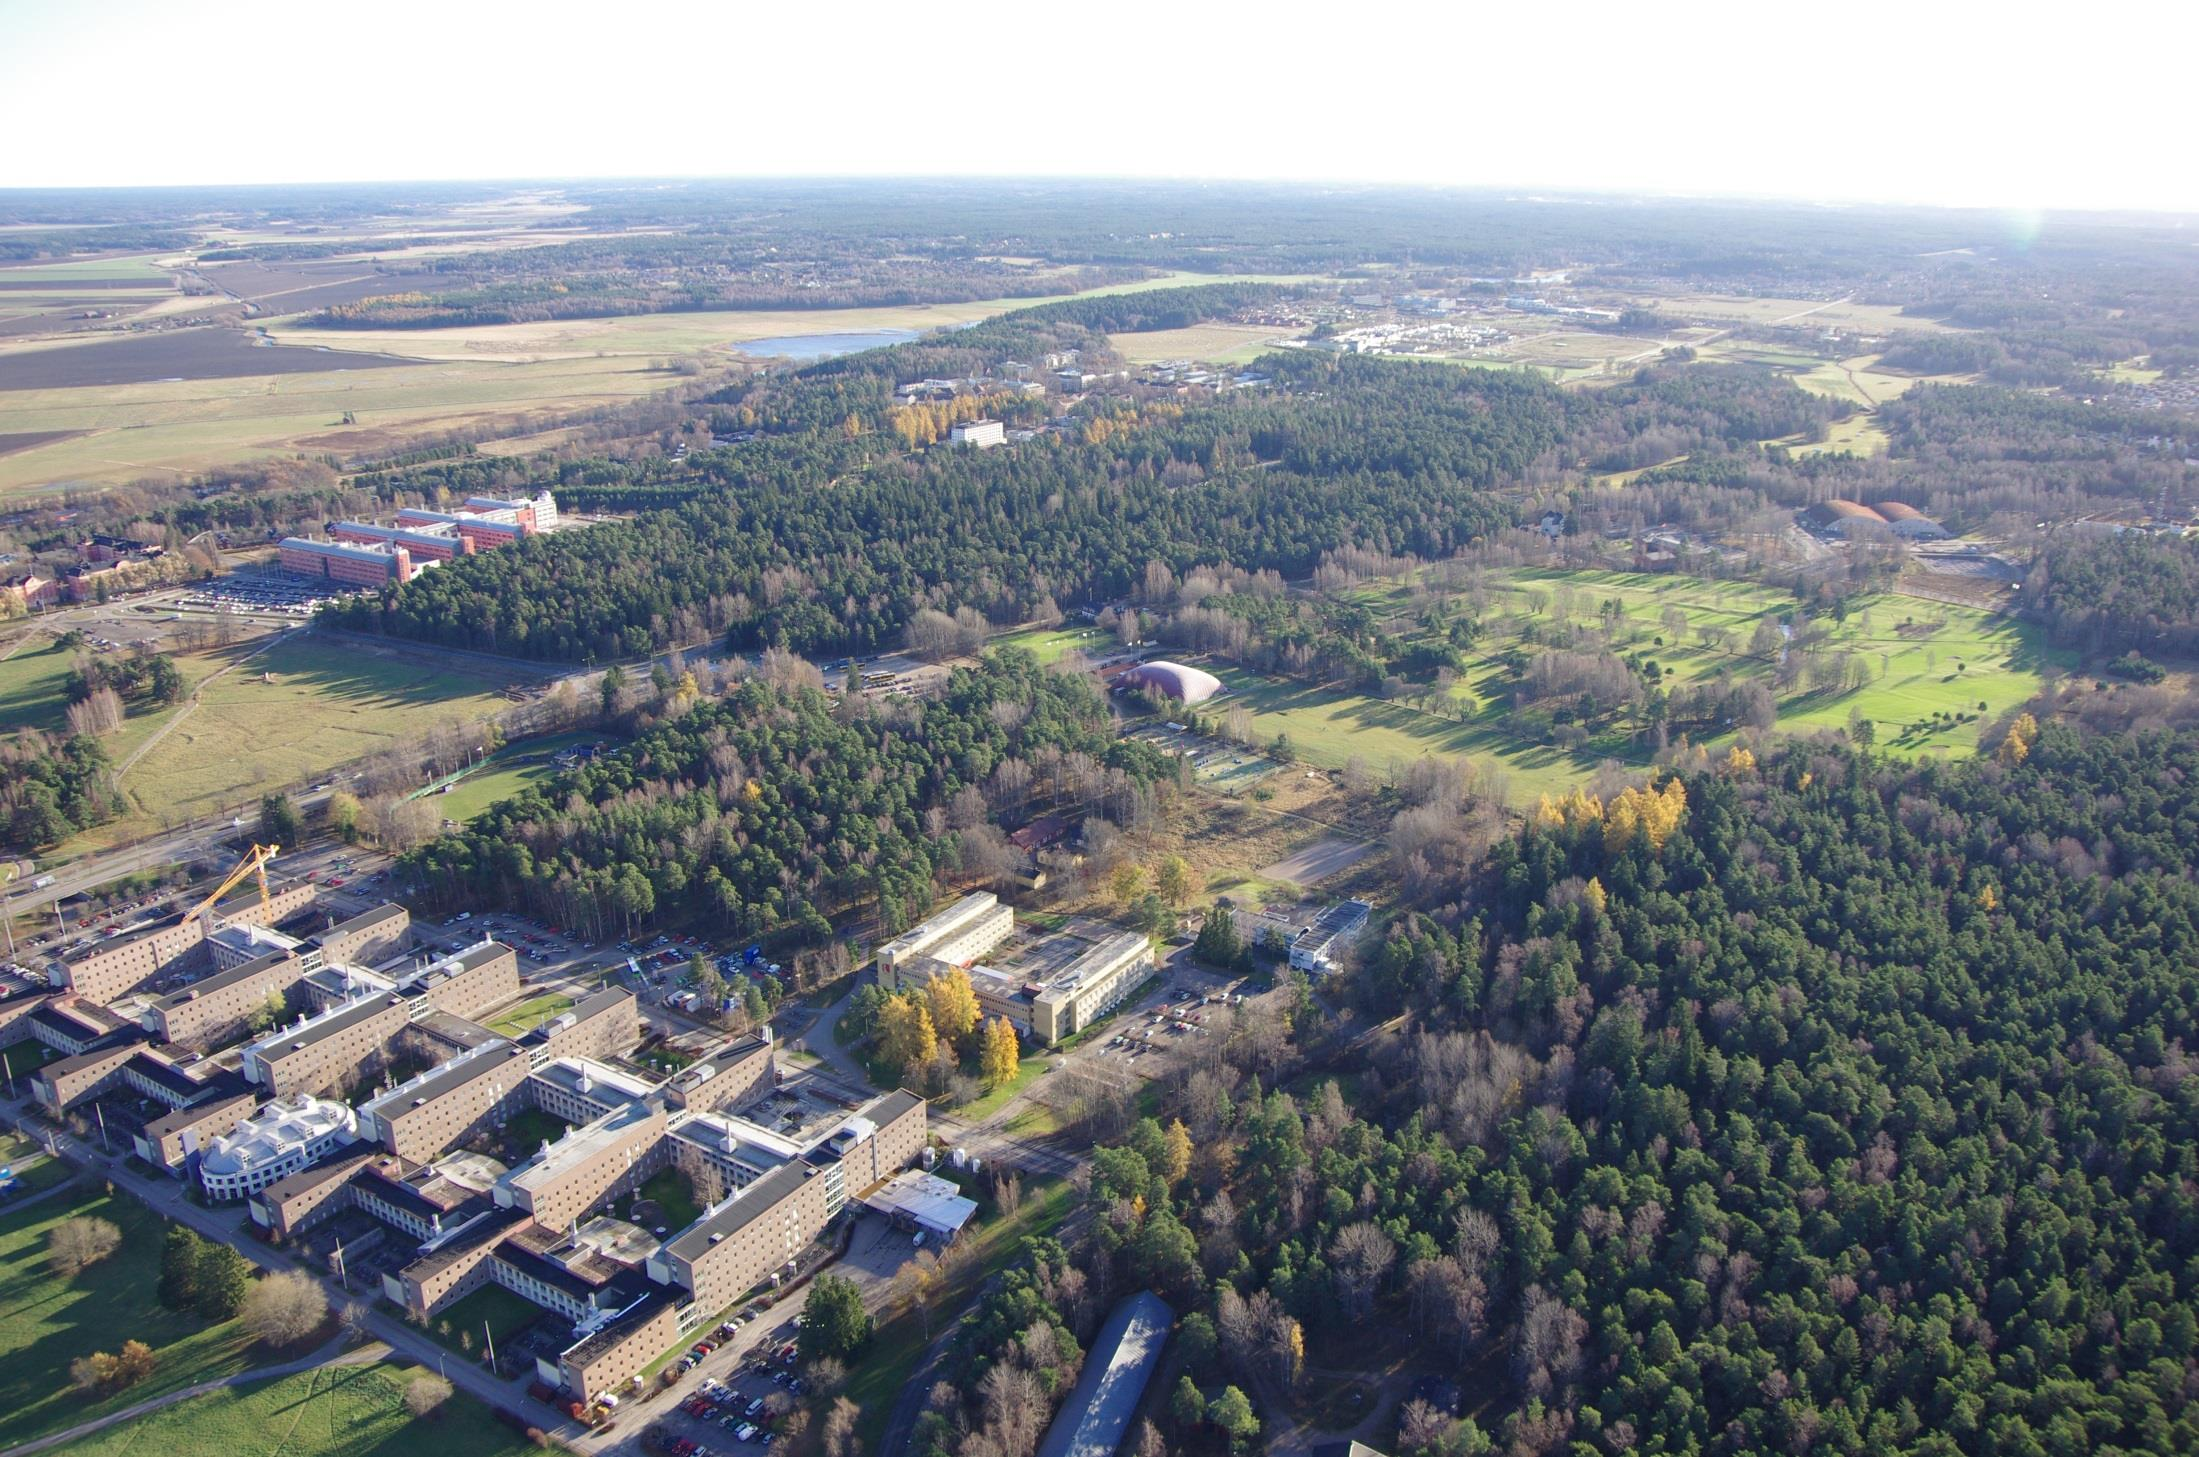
{"points": [[47, 1322], [517, 1021], [490, 1311], [334, 1411], [1924, 658], [1050, 644], [30, 685], [328, 703], [506, 772]]}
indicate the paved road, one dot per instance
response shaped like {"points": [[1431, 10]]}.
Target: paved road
{"points": [[820, 1040], [165, 1197]]}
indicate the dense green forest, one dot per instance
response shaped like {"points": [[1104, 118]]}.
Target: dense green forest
{"points": [[1340, 452], [775, 807], [2126, 591], [1827, 1105], [49, 789]]}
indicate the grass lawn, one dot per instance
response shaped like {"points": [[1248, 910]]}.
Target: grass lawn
{"points": [[673, 1194], [882, 1370], [1859, 434], [505, 773], [335, 1411], [1208, 343], [34, 1168], [1027, 1071], [46, 1322], [30, 685], [530, 1128], [523, 1018], [504, 1314], [327, 705]]}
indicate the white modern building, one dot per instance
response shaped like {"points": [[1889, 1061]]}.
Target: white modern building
{"points": [[277, 1141], [958, 935], [1320, 946], [979, 434]]}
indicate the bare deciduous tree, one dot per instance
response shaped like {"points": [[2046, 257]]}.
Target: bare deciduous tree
{"points": [[285, 1308], [80, 1241]]}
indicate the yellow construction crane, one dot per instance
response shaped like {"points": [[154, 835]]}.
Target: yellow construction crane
{"points": [[254, 863]]}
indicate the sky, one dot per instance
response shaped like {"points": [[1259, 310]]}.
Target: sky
{"points": [[2012, 104]]}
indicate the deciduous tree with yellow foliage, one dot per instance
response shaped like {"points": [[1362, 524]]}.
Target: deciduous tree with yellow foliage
{"points": [[952, 1002], [1002, 1056], [906, 1037]]}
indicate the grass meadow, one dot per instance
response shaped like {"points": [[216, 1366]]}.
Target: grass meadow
{"points": [[511, 375], [333, 1411], [327, 705], [47, 1321]]}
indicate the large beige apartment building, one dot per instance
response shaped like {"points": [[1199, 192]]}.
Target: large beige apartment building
{"points": [[580, 1170], [342, 1046], [729, 1076], [366, 939], [468, 982], [215, 1009], [1091, 986], [604, 1025], [447, 1105], [128, 962]]}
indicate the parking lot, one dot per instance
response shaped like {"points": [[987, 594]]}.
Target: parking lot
{"points": [[276, 592], [748, 1382], [1217, 763]]}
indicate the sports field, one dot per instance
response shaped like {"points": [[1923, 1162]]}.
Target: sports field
{"points": [[1049, 644], [333, 1411], [47, 1321], [1208, 343], [1938, 673], [507, 771]]}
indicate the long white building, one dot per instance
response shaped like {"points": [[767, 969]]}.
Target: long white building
{"points": [[959, 935]]}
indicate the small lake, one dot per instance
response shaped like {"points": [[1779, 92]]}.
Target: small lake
{"points": [[809, 348]]}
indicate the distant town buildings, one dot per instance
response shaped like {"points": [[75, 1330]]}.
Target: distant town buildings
{"points": [[371, 554]]}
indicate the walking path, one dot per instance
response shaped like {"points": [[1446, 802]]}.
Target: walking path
{"points": [[185, 712], [165, 1197], [331, 1353]]}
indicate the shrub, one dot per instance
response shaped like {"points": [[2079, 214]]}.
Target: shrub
{"points": [[285, 1308], [80, 1241], [425, 1394]]}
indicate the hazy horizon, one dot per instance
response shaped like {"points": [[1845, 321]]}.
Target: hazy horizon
{"points": [[1945, 107]]}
